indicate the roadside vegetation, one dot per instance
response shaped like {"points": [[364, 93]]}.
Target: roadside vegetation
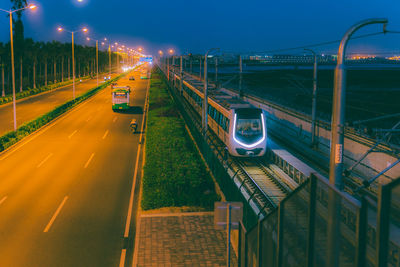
{"points": [[174, 174], [45, 64]]}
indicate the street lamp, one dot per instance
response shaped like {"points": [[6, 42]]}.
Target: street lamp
{"points": [[337, 148], [109, 55], [97, 59], [171, 52], [314, 101], [204, 117], [10, 12], [60, 29], [116, 50], [338, 109]]}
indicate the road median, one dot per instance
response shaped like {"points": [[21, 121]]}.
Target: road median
{"points": [[175, 178]]}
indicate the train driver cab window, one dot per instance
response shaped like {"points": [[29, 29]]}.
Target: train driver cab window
{"points": [[248, 125]]}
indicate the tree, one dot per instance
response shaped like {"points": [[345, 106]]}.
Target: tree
{"points": [[2, 60], [18, 28]]}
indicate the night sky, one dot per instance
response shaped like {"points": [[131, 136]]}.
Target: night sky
{"points": [[195, 26]]}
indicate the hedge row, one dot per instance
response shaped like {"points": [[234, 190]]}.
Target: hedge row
{"points": [[174, 174], [12, 137], [34, 91]]}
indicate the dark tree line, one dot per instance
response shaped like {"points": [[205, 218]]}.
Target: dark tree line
{"points": [[42, 63]]}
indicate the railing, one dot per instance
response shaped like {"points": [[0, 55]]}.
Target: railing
{"points": [[317, 225], [213, 158]]}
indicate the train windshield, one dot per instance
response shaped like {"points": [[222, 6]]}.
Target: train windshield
{"points": [[249, 126]]}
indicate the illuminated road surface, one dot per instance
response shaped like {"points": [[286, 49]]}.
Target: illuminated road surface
{"points": [[65, 192], [32, 107]]}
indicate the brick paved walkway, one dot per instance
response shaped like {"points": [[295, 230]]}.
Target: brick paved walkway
{"points": [[179, 239]]}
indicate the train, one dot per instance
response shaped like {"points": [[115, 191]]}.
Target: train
{"points": [[239, 125]]}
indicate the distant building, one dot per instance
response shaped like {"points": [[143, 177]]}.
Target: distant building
{"points": [[291, 59]]}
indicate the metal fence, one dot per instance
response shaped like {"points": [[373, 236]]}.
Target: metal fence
{"points": [[316, 225], [211, 156]]}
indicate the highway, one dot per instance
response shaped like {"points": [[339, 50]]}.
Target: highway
{"points": [[65, 191], [31, 107]]}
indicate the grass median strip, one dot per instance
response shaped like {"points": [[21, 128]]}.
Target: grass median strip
{"points": [[12, 137], [174, 174]]}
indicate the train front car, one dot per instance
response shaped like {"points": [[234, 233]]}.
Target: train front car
{"points": [[248, 136]]}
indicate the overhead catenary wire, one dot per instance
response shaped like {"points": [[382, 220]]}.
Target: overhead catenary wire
{"points": [[312, 45]]}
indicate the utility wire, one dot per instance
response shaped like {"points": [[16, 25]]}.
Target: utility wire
{"points": [[311, 45], [320, 44]]}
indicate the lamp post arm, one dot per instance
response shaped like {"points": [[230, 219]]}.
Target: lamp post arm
{"points": [[7, 11], [19, 9], [354, 28]]}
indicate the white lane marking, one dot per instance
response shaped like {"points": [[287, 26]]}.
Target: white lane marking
{"points": [[55, 215], [89, 160], [88, 119], [105, 134], [122, 260], [129, 216], [62, 117], [3, 199], [45, 159], [70, 136], [115, 119]]}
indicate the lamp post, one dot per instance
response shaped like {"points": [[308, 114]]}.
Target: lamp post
{"points": [[10, 12], [216, 70], [204, 117], [338, 109], [116, 49], [60, 29], [171, 52], [314, 101], [97, 59], [109, 55], [240, 76], [337, 141]]}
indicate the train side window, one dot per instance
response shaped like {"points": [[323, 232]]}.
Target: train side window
{"points": [[209, 110], [227, 125], [222, 121], [215, 114], [218, 117]]}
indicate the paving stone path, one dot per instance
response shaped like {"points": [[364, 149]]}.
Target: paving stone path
{"points": [[179, 239]]}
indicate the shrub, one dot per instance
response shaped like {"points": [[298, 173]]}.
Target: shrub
{"points": [[174, 174]]}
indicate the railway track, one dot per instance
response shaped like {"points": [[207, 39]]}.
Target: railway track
{"points": [[264, 179], [253, 177], [262, 187]]}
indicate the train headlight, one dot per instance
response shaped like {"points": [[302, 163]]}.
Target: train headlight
{"points": [[254, 144]]}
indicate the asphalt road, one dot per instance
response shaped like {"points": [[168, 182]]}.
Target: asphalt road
{"points": [[65, 192], [32, 107]]}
